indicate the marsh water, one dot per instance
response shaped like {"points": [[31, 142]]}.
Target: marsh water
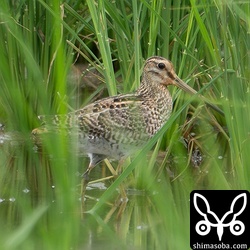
{"points": [[41, 205]]}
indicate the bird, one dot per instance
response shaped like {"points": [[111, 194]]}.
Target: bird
{"points": [[116, 127]]}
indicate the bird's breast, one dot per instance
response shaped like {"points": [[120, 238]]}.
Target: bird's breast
{"points": [[156, 112]]}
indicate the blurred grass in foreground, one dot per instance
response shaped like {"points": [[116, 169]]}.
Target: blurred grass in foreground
{"points": [[208, 42]]}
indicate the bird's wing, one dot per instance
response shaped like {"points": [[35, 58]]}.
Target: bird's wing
{"points": [[120, 114]]}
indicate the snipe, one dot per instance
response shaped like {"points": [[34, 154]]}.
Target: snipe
{"points": [[117, 126]]}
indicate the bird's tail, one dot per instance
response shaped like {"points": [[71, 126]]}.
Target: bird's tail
{"points": [[54, 123]]}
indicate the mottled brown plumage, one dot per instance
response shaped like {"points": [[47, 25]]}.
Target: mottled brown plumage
{"points": [[118, 126]]}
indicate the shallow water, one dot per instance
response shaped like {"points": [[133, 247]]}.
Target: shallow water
{"points": [[41, 203]]}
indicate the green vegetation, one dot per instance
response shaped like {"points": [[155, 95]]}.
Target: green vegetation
{"points": [[209, 44]]}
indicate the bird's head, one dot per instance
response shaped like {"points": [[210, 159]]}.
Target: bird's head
{"points": [[161, 71]]}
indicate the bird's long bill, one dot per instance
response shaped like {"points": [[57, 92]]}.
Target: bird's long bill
{"points": [[179, 83]]}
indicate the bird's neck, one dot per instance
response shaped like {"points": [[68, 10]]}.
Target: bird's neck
{"points": [[156, 96], [152, 88]]}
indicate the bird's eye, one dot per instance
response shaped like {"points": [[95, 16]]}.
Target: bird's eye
{"points": [[161, 65]]}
